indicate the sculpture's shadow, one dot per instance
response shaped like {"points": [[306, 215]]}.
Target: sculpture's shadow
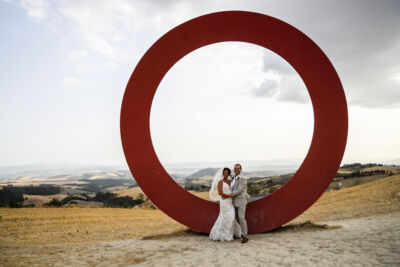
{"points": [[298, 227]]}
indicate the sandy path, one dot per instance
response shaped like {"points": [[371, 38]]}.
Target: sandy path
{"points": [[368, 241]]}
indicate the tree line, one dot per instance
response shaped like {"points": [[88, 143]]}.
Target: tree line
{"points": [[12, 196]]}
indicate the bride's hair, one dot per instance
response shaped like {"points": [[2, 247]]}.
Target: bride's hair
{"points": [[219, 176], [226, 169]]}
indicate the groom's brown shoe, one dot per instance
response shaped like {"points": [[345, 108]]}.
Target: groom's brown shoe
{"points": [[244, 240]]}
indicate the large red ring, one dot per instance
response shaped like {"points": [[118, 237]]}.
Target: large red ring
{"points": [[322, 82]]}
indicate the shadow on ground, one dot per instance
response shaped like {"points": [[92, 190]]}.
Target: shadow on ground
{"points": [[305, 226]]}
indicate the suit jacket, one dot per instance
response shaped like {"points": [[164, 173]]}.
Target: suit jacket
{"points": [[239, 190]]}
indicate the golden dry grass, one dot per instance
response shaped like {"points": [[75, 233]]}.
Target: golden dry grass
{"points": [[373, 198], [135, 191], [35, 226], [130, 192], [40, 200], [394, 169], [44, 226]]}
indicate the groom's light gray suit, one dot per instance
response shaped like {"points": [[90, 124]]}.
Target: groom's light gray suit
{"points": [[240, 199]]}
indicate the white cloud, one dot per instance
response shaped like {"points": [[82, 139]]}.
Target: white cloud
{"points": [[106, 38], [36, 9], [93, 24], [281, 81], [396, 77], [118, 29], [277, 64], [362, 50], [267, 88], [77, 55], [292, 89], [72, 82]]}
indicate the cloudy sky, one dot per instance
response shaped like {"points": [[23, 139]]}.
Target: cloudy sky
{"points": [[65, 64]]}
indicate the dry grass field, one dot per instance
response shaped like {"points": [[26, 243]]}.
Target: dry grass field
{"points": [[38, 226], [40, 200], [394, 169], [377, 197], [29, 233], [135, 191], [130, 192]]}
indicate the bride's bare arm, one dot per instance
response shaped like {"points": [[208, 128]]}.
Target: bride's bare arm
{"points": [[220, 190]]}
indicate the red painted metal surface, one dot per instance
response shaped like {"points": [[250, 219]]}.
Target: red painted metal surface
{"points": [[322, 82]]}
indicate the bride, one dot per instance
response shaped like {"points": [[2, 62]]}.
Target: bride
{"points": [[225, 227]]}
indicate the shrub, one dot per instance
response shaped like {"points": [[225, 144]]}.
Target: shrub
{"points": [[54, 202], [112, 200], [72, 197]]}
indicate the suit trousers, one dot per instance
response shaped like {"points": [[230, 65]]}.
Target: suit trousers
{"points": [[240, 218]]}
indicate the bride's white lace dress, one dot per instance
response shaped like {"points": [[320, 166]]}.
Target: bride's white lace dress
{"points": [[225, 227]]}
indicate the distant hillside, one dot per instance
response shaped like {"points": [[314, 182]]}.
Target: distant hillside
{"points": [[51, 170], [210, 172], [204, 172], [260, 182], [82, 182]]}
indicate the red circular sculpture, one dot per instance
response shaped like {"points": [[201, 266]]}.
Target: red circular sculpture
{"points": [[322, 82]]}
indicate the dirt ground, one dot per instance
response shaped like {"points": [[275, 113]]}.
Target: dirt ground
{"points": [[368, 241]]}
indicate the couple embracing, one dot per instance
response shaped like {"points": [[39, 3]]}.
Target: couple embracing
{"points": [[231, 192]]}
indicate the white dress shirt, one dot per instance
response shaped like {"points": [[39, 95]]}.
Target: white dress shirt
{"points": [[234, 180]]}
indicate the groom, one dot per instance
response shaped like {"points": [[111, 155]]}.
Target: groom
{"points": [[240, 198]]}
